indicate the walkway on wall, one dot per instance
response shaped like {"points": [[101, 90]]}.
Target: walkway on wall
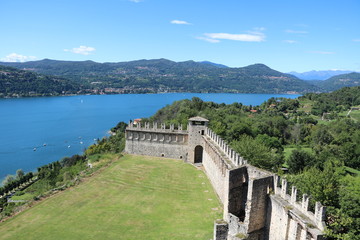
{"points": [[254, 204]]}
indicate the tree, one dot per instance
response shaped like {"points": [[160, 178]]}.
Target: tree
{"points": [[257, 153], [271, 142], [19, 174], [299, 159], [322, 136], [8, 179], [237, 129], [322, 185], [121, 126], [345, 222]]}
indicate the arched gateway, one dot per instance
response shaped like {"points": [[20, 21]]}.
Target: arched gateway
{"points": [[198, 157]]}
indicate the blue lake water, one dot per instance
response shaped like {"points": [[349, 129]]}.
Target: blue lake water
{"points": [[67, 125]]}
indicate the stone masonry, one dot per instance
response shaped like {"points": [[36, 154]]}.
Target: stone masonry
{"points": [[257, 204]]}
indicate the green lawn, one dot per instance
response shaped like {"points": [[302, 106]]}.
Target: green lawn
{"points": [[135, 198]]}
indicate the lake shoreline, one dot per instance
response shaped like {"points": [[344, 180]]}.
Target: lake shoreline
{"points": [[59, 121], [142, 93]]}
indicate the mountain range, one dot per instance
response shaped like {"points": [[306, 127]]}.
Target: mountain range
{"points": [[162, 75], [319, 75], [339, 81]]}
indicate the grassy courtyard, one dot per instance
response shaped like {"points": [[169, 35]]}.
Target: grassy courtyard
{"points": [[136, 197]]}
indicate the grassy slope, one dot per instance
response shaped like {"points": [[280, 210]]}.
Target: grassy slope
{"points": [[355, 115], [135, 198]]}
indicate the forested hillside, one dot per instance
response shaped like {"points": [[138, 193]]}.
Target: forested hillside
{"points": [[161, 75], [322, 156], [338, 101], [339, 81], [14, 82]]}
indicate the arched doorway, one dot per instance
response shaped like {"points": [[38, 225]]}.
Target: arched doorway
{"points": [[198, 154]]}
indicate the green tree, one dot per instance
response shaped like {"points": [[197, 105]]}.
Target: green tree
{"points": [[8, 179], [271, 142], [299, 159], [257, 153], [237, 129], [322, 136], [344, 222], [322, 185], [19, 173]]}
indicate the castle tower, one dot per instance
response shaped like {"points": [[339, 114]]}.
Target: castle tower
{"points": [[196, 129]]}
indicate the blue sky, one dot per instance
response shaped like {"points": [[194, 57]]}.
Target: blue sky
{"points": [[286, 35]]}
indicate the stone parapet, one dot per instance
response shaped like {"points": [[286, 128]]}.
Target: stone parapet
{"points": [[155, 127], [226, 150], [317, 216]]}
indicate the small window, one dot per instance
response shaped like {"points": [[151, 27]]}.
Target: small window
{"points": [[162, 155], [180, 157], [202, 132]]}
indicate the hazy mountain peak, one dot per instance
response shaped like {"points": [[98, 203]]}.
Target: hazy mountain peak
{"points": [[319, 75], [214, 64]]}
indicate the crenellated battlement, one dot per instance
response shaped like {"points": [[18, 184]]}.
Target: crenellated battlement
{"points": [[156, 140], [300, 203], [155, 127], [230, 154]]}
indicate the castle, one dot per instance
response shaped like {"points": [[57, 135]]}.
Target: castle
{"points": [[257, 205]]}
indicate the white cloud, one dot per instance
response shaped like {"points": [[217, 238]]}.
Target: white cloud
{"points": [[136, 1], [290, 41], [83, 50], [208, 39], [256, 35], [180, 22], [356, 40], [14, 57], [250, 37], [296, 31], [322, 52]]}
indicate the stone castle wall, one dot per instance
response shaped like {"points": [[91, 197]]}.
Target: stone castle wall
{"points": [[256, 203], [293, 214], [154, 141]]}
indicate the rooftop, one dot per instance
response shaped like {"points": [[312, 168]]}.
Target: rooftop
{"points": [[197, 118]]}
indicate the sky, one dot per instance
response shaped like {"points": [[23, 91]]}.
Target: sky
{"points": [[286, 35]]}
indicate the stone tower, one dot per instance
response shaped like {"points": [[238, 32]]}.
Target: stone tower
{"points": [[196, 129]]}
